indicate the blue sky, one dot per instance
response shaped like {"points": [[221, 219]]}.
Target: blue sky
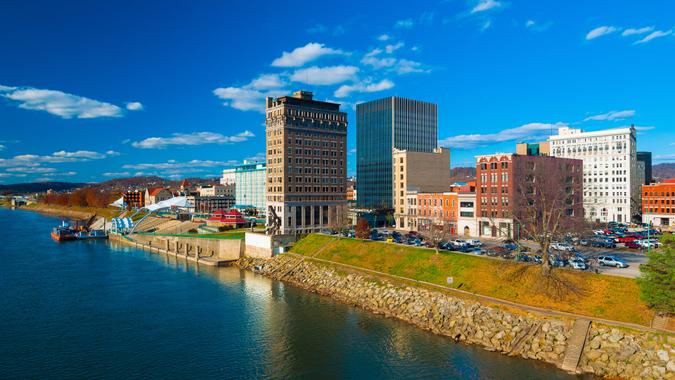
{"points": [[94, 90]]}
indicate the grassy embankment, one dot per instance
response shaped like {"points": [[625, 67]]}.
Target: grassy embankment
{"points": [[229, 234], [609, 297]]}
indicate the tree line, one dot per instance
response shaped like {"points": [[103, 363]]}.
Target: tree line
{"points": [[87, 197]]}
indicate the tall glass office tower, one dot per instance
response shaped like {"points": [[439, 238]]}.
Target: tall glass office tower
{"points": [[382, 125]]}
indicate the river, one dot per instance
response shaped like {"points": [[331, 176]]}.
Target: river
{"points": [[96, 310]]}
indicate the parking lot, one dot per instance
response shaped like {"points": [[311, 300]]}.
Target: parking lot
{"points": [[633, 258]]}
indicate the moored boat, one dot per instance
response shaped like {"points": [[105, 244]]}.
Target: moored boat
{"points": [[63, 232]]}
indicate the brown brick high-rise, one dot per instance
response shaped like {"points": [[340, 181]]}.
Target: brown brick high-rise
{"points": [[306, 161]]}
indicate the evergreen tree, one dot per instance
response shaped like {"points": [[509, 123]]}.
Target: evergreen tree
{"points": [[657, 284]]}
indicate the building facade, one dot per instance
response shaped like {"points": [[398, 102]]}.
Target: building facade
{"points": [[217, 190], [466, 218], [306, 162], [438, 209], [424, 172], [611, 188], [250, 178], [156, 195], [381, 126], [658, 204], [228, 177], [209, 204], [134, 198], [503, 181], [646, 159]]}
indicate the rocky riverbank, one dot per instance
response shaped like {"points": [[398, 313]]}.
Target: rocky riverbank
{"points": [[608, 352]]}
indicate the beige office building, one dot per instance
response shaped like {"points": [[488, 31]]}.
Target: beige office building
{"points": [[423, 172], [306, 162]]}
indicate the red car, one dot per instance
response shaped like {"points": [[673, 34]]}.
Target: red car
{"points": [[626, 239], [632, 244]]}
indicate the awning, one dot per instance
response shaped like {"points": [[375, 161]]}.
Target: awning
{"points": [[179, 202]]}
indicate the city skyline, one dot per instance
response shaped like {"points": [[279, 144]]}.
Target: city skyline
{"points": [[103, 91]]}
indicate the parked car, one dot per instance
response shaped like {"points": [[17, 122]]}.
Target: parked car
{"points": [[474, 242], [459, 243], [598, 232], [626, 238], [578, 263], [633, 244], [561, 246], [649, 243], [612, 261]]}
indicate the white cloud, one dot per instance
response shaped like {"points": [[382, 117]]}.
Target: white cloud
{"points": [[2, 147], [634, 31], [371, 59], [325, 75], [174, 165], [299, 56], [31, 170], [393, 47], [486, 25], [653, 35], [664, 157], [529, 131], [134, 106], [537, 26], [60, 103], [485, 5], [195, 138], [31, 160], [345, 90], [245, 98], [404, 24], [612, 115], [406, 66], [601, 31], [383, 37], [117, 174], [267, 81]]}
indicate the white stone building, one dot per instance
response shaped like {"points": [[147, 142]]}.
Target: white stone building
{"points": [[611, 189], [467, 223]]}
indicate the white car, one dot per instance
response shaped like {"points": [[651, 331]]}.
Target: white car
{"points": [[598, 232], [578, 263], [459, 243], [649, 243], [474, 242], [562, 246], [612, 262]]}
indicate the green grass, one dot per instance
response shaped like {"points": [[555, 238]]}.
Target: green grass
{"points": [[609, 297]]}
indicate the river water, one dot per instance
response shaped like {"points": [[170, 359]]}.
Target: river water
{"points": [[96, 310]]}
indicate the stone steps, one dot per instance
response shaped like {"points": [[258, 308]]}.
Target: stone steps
{"points": [[575, 344]]}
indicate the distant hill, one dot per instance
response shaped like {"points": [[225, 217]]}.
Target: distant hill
{"points": [[38, 187], [463, 174], [663, 171]]}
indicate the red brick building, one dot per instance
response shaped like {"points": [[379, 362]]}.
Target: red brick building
{"points": [[438, 208], [504, 179], [658, 204], [134, 198]]}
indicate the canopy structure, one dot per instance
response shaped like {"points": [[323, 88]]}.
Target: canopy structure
{"points": [[178, 202], [119, 203]]}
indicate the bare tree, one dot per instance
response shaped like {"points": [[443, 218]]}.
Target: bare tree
{"points": [[341, 221], [435, 233]]}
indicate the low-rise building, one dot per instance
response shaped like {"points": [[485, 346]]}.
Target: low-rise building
{"points": [[504, 181], [438, 209], [658, 204], [217, 190], [134, 198], [466, 218], [156, 195], [227, 218], [199, 204]]}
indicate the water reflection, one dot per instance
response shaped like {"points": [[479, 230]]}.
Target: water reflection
{"points": [[107, 310]]}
